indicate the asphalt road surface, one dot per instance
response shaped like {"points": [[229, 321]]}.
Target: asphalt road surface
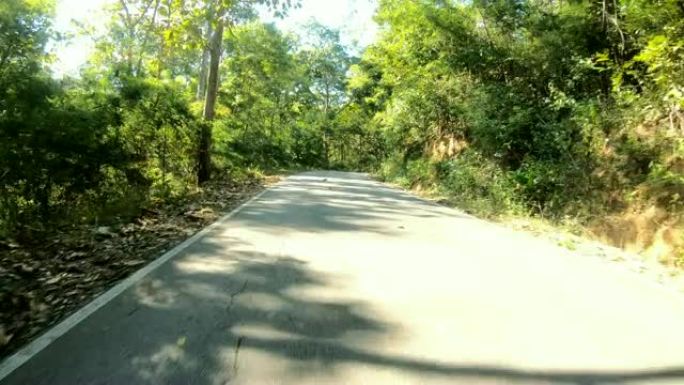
{"points": [[332, 278]]}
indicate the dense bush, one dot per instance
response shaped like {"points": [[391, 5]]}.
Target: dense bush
{"points": [[130, 131], [506, 107], [571, 108]]}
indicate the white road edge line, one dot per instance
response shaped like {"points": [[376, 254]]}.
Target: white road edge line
{"points": [[34, 347]]}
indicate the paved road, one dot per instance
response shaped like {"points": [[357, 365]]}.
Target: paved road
{"points": [[331, 278]]}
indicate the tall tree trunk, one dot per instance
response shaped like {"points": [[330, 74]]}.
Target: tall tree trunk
{"points": [[204, 164], [204, 65], [326, 128]]}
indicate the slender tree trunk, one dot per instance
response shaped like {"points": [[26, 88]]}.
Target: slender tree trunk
{"points": [[326, 128], [204, 65], [204, 164], [143, 45]]}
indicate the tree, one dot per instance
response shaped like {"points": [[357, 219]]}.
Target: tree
{"points": [[24, 91], [262, 92], [327, 62], [220, 14]]}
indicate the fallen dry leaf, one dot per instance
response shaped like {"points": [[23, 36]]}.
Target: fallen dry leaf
{"points": [[4, 337], [45, 281]]}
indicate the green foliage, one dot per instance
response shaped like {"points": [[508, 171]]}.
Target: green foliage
{"points": [[560, 108], [86, 148], [480, 184], [261, 97], [125, 134], [284, 101], [553, 108]]}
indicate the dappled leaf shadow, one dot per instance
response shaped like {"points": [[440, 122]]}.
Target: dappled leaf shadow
{"points": [[221, 307], [187, 322], [326, 203]]}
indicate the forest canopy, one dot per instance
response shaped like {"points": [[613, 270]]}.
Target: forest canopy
{"points": [[561, 109], [175, 92]]}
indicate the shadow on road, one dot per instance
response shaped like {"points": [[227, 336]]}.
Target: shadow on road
{"points": [[310, 334], [326, 204], [206, 315]]}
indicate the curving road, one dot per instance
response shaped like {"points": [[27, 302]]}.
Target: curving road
{"points": [[332, 278]]}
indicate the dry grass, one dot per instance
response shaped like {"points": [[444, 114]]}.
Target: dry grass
{"points": [[652, 232]]}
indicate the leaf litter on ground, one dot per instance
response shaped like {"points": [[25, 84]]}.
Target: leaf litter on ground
{"points": [[44, 281]]}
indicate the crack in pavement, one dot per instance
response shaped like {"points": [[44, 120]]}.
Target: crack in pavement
{"points": [[236, 293]]}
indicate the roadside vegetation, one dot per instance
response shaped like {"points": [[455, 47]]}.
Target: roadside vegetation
{"points": [[570, 112], [172, 122], [148, 120]]}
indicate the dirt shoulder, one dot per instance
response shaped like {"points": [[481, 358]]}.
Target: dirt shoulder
{"points": [[43, 282], [667, 275]]}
